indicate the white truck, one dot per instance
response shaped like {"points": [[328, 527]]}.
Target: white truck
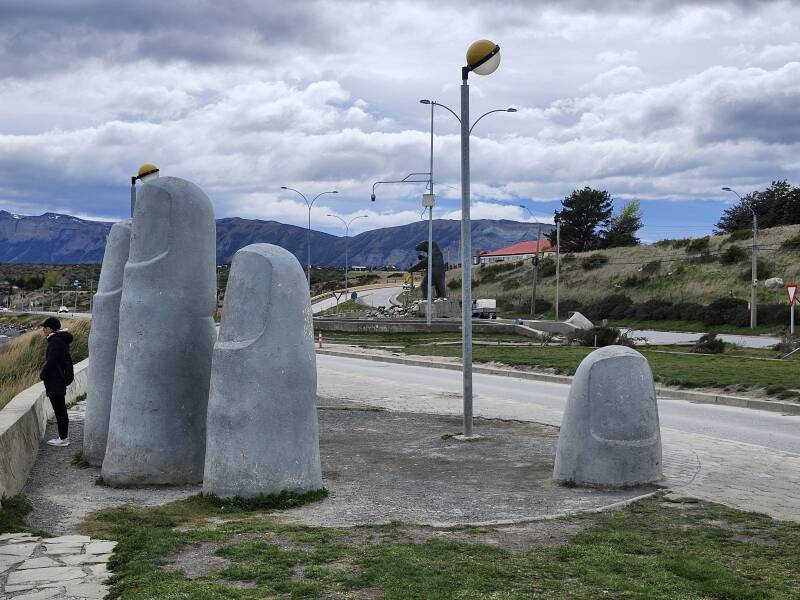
{"points": [[484, 308]]}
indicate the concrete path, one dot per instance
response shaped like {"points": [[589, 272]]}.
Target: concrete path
{"points": [[709, 451], [375, 297], [67, 567]]}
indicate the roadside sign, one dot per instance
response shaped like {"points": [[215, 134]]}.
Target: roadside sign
{"points": [[792, 291]]}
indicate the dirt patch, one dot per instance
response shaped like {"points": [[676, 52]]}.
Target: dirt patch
{"points": [[197, 560]]}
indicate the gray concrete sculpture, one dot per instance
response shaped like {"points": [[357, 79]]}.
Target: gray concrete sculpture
{"points": [[438, 287], [262, 435], [103, 343], [610, 434], [166, 337]]}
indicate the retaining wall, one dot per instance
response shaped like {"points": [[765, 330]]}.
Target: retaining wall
{"points": [[23, 423]]}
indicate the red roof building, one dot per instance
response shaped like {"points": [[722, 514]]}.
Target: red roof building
{"points": [[515, 252]]}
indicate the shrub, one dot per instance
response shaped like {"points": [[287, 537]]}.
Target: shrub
{"points": [[567, 259], [599, 336], [699, 245], [547, 267], [511, 284], [681, 243], [738, 236], [454, 284], [634, 281], [653, 310], [651, 268], [567, 306], [732, 255], [615, 306], [593, 261], [709, 344], [792, 244], [765, 269], [731, 311], [688, 311]]}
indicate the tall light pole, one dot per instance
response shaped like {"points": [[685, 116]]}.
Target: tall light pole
{"points": [[308, 234], [483, 57], [558, 260], [535, 259], [346, 238], [754, 258]]}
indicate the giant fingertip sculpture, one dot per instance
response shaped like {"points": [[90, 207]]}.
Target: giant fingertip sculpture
{"points": [[103, 343], [610, 434], [262, 433], [166, 337]]}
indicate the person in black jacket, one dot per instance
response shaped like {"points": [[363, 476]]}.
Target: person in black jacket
{"points": [[57, 374]]}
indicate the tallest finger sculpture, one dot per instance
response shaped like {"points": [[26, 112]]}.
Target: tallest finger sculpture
{"points": [[157, 425]]}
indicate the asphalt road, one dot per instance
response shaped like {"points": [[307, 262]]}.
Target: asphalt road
{"points": [[376, 297], [761, 428]]}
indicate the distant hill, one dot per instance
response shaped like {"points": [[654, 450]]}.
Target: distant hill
{"points": [[63, 239]]}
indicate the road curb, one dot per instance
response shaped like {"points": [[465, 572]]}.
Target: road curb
{"points": [[661, 391]]}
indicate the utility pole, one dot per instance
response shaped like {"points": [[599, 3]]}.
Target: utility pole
{"points": [[536, 268], [558, 260]]}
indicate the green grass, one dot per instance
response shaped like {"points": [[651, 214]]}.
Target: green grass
{"points": [[684, 370], [650, 550], [349, 306], [12, 516]]}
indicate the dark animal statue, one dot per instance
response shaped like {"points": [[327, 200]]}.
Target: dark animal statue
{"points": [[437, 280]]}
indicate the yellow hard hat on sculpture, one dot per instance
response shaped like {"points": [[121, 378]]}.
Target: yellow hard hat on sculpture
{"points": [[483, 57], [147, 169]]}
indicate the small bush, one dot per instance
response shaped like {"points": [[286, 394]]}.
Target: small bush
{"points": [[681, 243], [709, 344], [593, 261], [511, 284], [567, 306], [615, 306], [732, 255], [792, 244], [600, 337], [699, 245], [651, 268], [454, 284], [653, 310], [632, 281], [738, 236], [568, 259], [547, 267], [730, 311], [765, 270]]}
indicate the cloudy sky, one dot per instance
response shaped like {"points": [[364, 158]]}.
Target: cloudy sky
{"points": [[665, 101]]}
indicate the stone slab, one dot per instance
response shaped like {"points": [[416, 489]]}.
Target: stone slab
{"points": [[45, 575], [38, 563]]}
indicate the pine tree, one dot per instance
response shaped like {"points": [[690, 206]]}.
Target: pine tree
{"points": [[585, 212]]}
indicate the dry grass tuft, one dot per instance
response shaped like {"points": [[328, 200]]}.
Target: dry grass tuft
{"points": [[22, 358]]}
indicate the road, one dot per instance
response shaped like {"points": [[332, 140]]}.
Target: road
{"points": [[676, 337], [743, 458], [761, 428], [375, 297]]}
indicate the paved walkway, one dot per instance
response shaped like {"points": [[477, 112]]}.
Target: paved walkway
{"points": [[67, 567], [740, 475]]}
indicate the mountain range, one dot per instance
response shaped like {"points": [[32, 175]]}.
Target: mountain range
{"points": [[63, 239]]}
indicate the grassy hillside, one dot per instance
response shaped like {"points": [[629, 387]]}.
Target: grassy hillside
{"points": [[22, 358], [697, 271]]}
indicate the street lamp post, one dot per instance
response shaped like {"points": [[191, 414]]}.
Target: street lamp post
{"points": [[308, 234], [754, 259], [558, 260], [346, 240]]}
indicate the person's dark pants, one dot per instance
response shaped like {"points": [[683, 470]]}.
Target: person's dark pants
{"points": [[60, 408]]}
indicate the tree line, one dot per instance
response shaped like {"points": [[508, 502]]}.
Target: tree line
{"points": [[778, 205]]}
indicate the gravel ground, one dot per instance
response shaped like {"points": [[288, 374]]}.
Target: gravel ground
{"points": [[62, 494]]}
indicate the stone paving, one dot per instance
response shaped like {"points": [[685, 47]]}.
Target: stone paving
{"points": [[64, 568]]}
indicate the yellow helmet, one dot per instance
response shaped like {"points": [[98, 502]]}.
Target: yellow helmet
{"points": [[147, 169]]}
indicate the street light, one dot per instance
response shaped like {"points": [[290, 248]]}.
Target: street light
{"points": [[432, 199], [308, 235], [483, 57], [427, 201], [346, 235], [535, 260], [754, 258]]}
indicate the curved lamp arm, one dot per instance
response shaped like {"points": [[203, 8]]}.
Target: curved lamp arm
{"points": [[488, 113]]}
